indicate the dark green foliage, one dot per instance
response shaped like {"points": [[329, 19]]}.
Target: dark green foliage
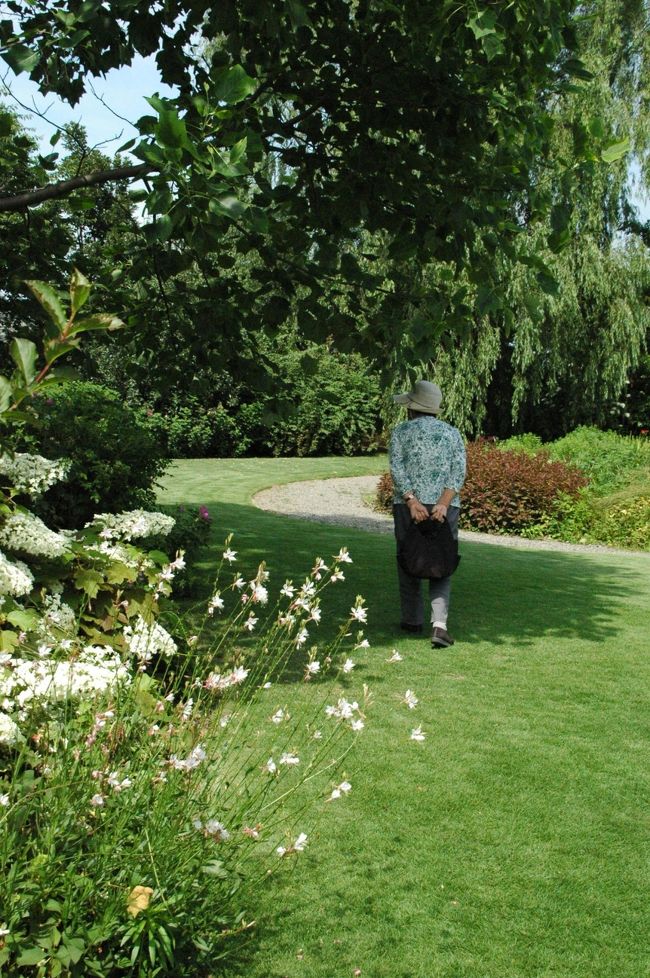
{"points": [[335, 402], [636, 403], [190, 535], [115, 457], [322, 403], [609, 460]]}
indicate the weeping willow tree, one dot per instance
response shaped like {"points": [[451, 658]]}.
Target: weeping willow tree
{"points": [[563, 358]]}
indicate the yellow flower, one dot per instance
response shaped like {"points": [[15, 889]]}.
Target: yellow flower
{"points": [[138, 899]]}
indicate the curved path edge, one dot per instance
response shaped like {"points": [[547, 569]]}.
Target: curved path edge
{"points": [[341, 502]]}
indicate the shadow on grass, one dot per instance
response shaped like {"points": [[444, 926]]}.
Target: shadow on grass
{"points": [[500, 595]]}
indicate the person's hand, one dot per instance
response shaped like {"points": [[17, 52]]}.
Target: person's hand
{"points": [[417, 510], [439, 512]]}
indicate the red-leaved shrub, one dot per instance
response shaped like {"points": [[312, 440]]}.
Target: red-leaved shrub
{"points": [[511, 490], [385, 492], [505, 491]]}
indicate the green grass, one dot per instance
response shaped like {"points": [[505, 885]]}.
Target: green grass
{"points": [[513, 842]]}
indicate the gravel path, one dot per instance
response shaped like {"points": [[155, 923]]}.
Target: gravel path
{"points": [[341, 503]]}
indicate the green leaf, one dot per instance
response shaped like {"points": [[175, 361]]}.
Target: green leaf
{"points": [[547, 283], [24, 354], [24, 620], [32, 956], [483, 24], [492, 45], [89, 581], [231, 85], [99, 320], [21, 58], [171, 130], [615, 151], [227, 206], [80, 289], [48, 298], [6, 394], [215, 868]]}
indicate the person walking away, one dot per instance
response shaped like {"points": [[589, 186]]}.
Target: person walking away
{"points": [[427, 464]]}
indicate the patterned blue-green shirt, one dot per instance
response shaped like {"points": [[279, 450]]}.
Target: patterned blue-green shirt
{"points": [[427, 456]]}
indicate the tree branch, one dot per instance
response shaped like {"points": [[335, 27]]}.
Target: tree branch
{"points": [[53, 191]]}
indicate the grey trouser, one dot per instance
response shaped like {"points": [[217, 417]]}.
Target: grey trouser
{"points": [[410, 588]]}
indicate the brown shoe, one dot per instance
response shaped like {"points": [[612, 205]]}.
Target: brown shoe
{"points": [[440, 638]]}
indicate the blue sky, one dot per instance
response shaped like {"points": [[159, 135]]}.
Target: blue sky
{"points": [[124, 89]]}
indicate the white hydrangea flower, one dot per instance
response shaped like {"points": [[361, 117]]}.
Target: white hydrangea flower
{"points": [[144, 641], [33, 474], [57, 617], [10, 734], [26, 533], [45, 681], [134, 524], [15, 578]]}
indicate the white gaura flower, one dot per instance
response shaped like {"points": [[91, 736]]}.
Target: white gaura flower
{"points": [[395, 657], [239, 583], [348, 665], [238, 675], [216, 830], [318, 568], [342, 789], [344, 710], [308, 589], [298, 846], [363, 644], [357, 725], [251, 622], [410, 699], [317, 735], [216, 603], [289, 758], [315, 614], [270, 767], [417, 734], [4, 801], [196, 756], [278, 716], [287, 589], [337, 575], [312, 668], [343, 557], [260, 593], [230, 555], [301, 637], [225, 719], [359, 613], [97, 801]]}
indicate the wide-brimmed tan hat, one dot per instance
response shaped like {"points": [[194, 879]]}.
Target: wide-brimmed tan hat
{"points": [[425, 397]]}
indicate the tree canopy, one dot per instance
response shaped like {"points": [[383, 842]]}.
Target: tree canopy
{"points": [[396, 130]]}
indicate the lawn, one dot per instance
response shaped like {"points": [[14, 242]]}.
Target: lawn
{"points": [[514, 841]]}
